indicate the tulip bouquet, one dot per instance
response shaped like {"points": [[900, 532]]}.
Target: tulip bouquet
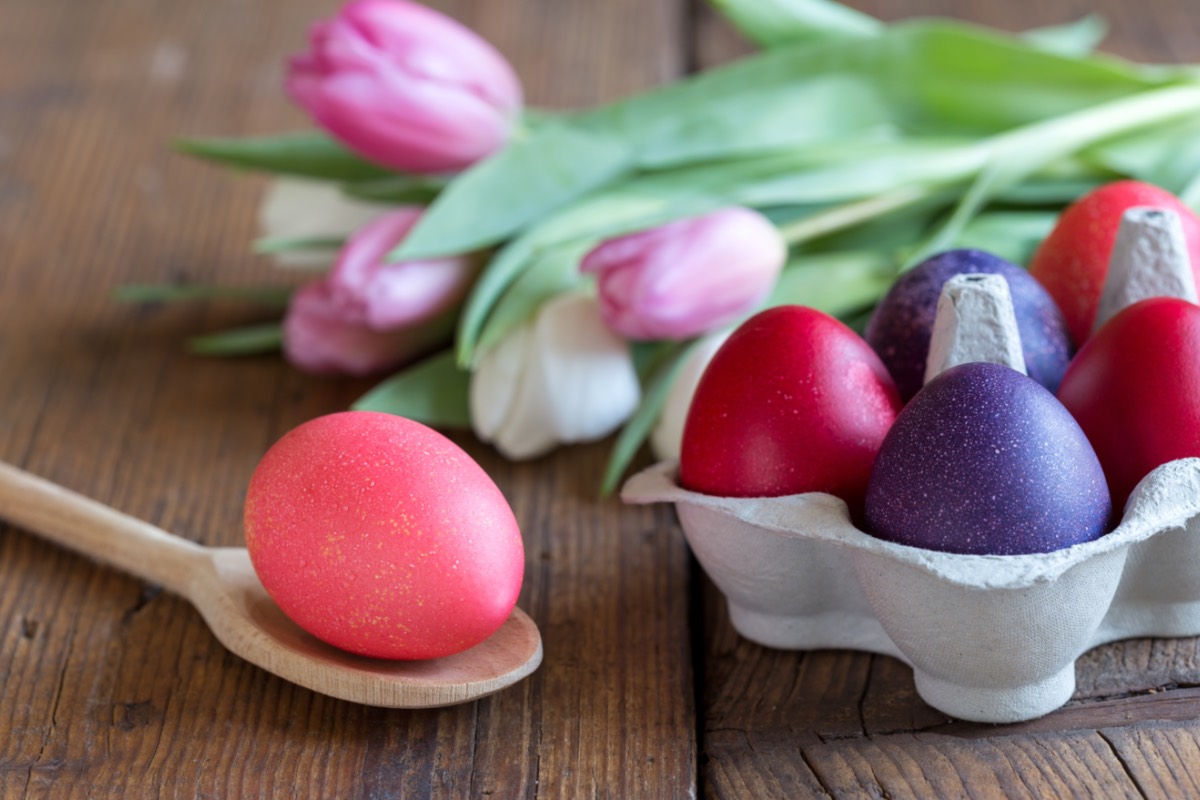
{"points": [[550, 278]]}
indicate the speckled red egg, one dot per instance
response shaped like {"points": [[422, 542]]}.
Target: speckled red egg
{"points": [[793, 402], [1135, 390], [1073, 260], [380, 536]]}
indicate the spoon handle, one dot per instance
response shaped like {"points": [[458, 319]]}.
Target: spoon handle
{"points": [[95, 530]]}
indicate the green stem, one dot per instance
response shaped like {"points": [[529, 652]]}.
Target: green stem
{"points": [[1004, 160], [851, 214], [287, 244], [1071, 132], [1014, 156], [177, 292], [251, 340]]}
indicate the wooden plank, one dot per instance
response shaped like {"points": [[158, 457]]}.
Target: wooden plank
{"points": [[1137, 665], [1160, 759], [776, 695], [111, 688], [1062, 765], [736, 764], [1158, 705]]}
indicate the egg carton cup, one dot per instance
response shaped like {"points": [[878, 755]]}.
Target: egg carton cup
{"points": [[989, 638]]}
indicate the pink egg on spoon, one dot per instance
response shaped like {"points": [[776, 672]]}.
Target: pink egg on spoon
{"points": [[380, 536]]}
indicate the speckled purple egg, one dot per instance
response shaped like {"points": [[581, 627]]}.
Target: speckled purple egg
{"points": [[986, 461], [900, 328]]}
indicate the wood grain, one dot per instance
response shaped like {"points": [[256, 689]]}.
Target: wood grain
{"points": [[114, 689], [1160, 759]]}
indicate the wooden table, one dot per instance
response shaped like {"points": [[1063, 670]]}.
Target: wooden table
{"points": [[110, 688]]}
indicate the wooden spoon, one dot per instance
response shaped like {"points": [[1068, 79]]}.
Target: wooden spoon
{"points": [[220, 582]]}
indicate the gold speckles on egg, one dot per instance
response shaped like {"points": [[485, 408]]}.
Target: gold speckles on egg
{"points": [[391, 521]]}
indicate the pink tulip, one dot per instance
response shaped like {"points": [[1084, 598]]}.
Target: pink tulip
{"points": [[687, 277], [406, 87], [368, 316]]}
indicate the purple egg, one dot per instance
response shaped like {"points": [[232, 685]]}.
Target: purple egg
{"points": [[986, 461], [900, 328]]}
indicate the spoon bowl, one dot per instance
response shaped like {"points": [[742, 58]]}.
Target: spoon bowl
{"points": [[222, 585]]}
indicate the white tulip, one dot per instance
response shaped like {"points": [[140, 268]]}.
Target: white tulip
{"points": [[506, 408], [563, 377], [494, 384], [293, 208], [667, 437]]}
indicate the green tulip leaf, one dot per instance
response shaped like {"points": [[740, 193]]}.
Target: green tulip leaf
{"points": [[307, 154], [1048, 192], [434, 392], [858, 319], [835, 283], [505, 193], [820, 110], [775, 22], [1077, 38], [1014, 156], [637, 429], [396, 189], [175, 292], [1167, 156], [284, 244], [1012, 235], [252, 340], [551, 273], [649, 357]]}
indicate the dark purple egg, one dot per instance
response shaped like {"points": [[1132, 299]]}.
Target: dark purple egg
{"points": [[986, 461], [900, 328]]}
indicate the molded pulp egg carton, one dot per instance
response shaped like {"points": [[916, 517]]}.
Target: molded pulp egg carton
{"points": [[989, 638]]}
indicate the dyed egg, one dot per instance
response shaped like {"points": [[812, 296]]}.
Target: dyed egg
{"points": [[1072, 262], [985, 461], [793, 402], [380, 536], [902, 325], [1134, 388]]}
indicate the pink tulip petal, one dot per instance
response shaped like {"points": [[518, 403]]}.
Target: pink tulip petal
{"points": [[362, 255], [319, 337], [437, 47], [406, 87], [405, 294], [367, 316], [690, 276], [413, 127]]}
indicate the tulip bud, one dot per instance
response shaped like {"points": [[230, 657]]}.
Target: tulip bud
{"points": [[367, 315], [560, 378], [406, 87], [689, 276]]}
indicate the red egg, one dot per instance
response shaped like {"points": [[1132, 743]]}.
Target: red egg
{"points": [[380, 536], [1134, 388], [1072, 262], [793, 402]]}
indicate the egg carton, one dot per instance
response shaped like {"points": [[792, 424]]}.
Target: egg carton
{"points": [[989, 638]]}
